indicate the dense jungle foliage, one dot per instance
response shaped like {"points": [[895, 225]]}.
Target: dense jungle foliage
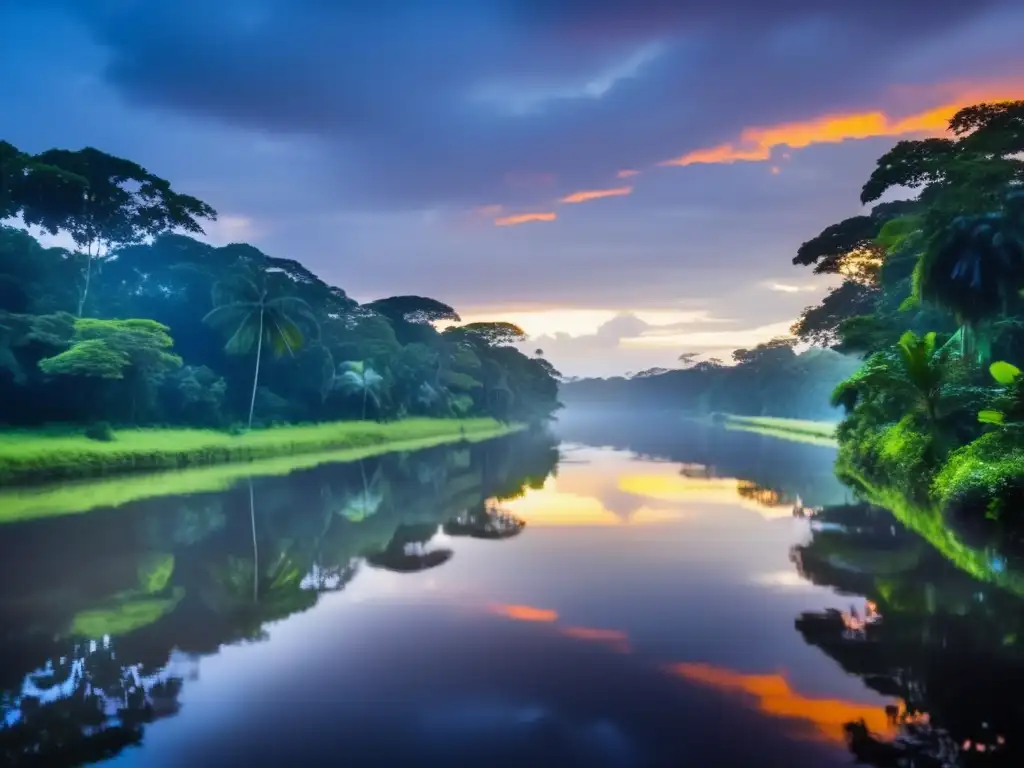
{"points": [[931, 300], [141, 324]]}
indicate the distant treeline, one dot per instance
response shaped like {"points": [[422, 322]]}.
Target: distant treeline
{"points": [[770, 379]]}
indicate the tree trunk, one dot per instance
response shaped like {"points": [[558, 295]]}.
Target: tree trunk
{"points": [[256, 375], [366, 486], [255, 549], [88, 276], [365, 393]]}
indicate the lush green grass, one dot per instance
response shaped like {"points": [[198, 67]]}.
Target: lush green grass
{"points": [[28, 503], [800, 430], [27, 456]]}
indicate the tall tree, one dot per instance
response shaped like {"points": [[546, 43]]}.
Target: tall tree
{"points": [[252, 309], [965, 175], [414, 309], [44, 189], [122, 203], [974, 268]]}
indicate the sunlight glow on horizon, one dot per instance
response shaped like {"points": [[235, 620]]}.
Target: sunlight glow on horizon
{"points": [[584, 322], [734, 339]]}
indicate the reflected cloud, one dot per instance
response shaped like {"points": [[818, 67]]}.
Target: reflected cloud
{"points": [[816, 719], [612, 488], [523, 612], [820, 719], [615, 639], [548, 506], [789, 579], [669, 485]]}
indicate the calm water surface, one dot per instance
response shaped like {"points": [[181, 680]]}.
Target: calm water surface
{"points": [[621, 594]]}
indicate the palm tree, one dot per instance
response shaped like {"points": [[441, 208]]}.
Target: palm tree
{"points": [[974, 268], [358, 378], [252, 311], [914, 378]]}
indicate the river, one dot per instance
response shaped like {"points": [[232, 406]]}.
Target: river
{"points": [[621, 592]]}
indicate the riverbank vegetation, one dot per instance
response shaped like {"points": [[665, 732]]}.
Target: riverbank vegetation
{"points": [[800, 430], [931, 301], [34, 456], [140, 325]]}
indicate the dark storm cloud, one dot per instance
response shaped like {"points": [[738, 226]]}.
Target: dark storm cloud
{"points": [[422, 104]]}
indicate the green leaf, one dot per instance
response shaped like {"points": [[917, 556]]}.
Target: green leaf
{"points": [[1004, 372], [991, 417], [910, 303]]}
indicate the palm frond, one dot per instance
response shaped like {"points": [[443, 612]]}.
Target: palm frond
{"points": [[244, 338], [229, 314], [284, 334]]}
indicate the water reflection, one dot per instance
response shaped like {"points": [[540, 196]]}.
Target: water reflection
{"points": [[493, 604], [99, 625], [944, 645]]}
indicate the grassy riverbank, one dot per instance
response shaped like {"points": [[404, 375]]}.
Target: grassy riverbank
{"points": [[40, 456], [800, 430], [78, 496]]}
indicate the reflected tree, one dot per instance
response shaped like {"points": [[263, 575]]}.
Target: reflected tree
{"points": [[198, 572], [942, 645], [484, 521], [83, 706]]}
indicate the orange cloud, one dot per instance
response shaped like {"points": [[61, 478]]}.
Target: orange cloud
{"points": [[756, 143], [625, 173], [523, 612], [774, 697], [595, 194], [524, 218]]}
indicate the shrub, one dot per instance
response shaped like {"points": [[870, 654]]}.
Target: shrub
{"points": [[101, 431], [985, 477], [899, 455]]}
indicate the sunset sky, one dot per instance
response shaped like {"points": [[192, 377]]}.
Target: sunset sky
{"points": [[627, 179]]}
